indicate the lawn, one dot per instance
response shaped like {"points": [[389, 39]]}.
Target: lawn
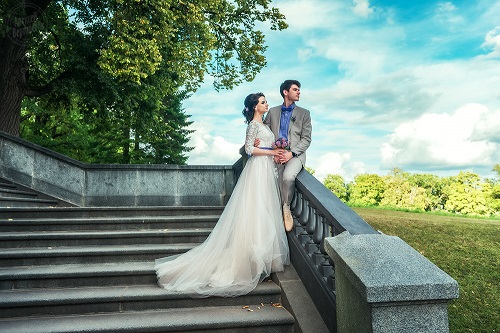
{"points": [[467, 249]]}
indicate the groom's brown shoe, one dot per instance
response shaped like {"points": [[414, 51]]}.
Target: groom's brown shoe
{"points": [[287, 217]]}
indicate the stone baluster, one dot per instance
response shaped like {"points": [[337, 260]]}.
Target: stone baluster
{"points": [[317, 238], [304, 215], [311, 226], [327, 266], [297, 211], [303, 218], [311, 220]]}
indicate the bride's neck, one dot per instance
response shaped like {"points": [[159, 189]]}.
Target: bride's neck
{"points": [[258, 118]]}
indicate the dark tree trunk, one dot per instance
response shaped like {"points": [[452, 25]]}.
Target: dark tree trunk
{"points": [[18, 20], [126, 145], [13, 68]]}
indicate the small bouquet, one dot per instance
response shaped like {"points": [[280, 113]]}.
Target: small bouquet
{"points": [[281, 143]]}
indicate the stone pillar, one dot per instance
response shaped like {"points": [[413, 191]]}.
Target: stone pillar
{"points": [[385, 286]]}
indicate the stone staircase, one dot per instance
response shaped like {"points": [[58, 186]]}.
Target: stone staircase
{"points": [[13, 195], [74, 269]]}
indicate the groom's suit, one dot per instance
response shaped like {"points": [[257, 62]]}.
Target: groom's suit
{"points": [[299, 139]]}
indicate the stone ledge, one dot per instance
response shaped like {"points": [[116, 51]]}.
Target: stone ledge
{"points": [[386, 269], [81, 184]]}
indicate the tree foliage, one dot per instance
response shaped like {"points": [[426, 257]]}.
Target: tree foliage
{"points": [[367, 190], [465, 193], [106, 79], [399, 192], [337, 185]]}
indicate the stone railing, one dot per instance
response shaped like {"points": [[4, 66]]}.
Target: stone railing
{"points": [[359, 279], [83, 184], [318, 214]]}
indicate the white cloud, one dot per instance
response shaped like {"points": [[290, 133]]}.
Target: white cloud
{"points": [[487, 128], [210, 149], [440, 140], [444, 7], [304, 54], [492, 42], [447, 16], [338, 164], [362, 8], [310, 14]]}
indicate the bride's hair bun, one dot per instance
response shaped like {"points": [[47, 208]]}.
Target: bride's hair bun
{"points": [[250, 102]]}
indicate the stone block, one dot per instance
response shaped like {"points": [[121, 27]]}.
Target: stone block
{"points": [[384, 285]]}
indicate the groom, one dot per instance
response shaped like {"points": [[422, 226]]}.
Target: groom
{"points": [[293, 123]]}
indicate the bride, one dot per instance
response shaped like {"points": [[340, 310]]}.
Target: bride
{"points": [[249, 240]]}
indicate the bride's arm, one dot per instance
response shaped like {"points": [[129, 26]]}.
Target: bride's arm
{"points": [[252, 131]]}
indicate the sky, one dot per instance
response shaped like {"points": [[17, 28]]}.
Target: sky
{"points": [[413, 85]]}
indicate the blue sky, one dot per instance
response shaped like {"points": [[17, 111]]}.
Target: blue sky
{"points": [[408, 84]]}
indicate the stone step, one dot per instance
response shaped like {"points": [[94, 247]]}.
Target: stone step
{"points": [[87, 300], [88, 254], [107, 223], [13, 193], [104, 237], [26, 202], [5, 184], [113, 212], [225, 319], [77, 275], [15, 196]]}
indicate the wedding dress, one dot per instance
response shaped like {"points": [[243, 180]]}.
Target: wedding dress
{"points": [[247, 243]]}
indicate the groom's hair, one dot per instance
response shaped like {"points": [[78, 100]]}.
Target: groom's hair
{"points": [[286, 86]]}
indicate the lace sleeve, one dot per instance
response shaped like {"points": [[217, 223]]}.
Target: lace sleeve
{"points": [[252, 130]]}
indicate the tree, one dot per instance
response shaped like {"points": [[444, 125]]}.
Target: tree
{"points": [[400, 193], [433, 186], [337, 185], [496, 168], [493, 196], [366, 190], [17, 20], [465, 195], [116, 62]]}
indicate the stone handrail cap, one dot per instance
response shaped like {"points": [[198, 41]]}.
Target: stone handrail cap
{"points": [[385, 269]]}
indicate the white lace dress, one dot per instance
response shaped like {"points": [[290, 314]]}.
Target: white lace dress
{"points": [[248, 242]]}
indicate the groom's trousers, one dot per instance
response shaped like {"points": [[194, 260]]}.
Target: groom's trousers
{"points": [[286, 176]]}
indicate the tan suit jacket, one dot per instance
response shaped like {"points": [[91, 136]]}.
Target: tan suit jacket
{"points": [[299, 130]]}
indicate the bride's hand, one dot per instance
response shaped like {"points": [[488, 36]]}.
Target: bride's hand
{"points": [[277, 155], [277, 152], [282, 157], [256, 143]]}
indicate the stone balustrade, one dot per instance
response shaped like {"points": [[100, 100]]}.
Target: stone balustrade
{"points": [[83, 184]]}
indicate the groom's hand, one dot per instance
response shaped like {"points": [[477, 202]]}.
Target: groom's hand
{"points": [[284, 156], [256, 143]]}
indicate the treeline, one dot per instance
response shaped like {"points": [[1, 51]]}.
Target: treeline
{"points": [[465, 193]]}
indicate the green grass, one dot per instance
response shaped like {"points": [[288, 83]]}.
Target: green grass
{"points": [[468, 249]]}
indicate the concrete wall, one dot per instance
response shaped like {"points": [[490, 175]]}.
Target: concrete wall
{"points": [[112, 185]]}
